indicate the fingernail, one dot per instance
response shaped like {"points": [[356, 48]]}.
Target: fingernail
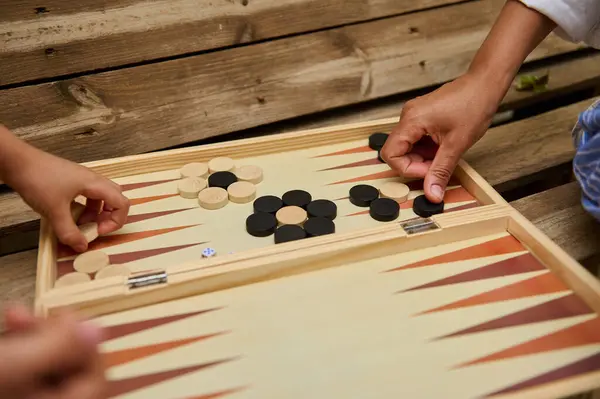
{"points": [[90, 333], [437, 191], [80, 248]]}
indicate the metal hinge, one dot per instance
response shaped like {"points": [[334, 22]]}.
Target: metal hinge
{"points": [[144, 280], [419, 225]]}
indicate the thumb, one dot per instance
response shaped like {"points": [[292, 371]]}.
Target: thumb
{"points": [[441, 170], [66, 230], [115, 204]]}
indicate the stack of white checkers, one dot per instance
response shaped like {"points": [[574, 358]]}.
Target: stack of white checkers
{"points": [[218, 182]]}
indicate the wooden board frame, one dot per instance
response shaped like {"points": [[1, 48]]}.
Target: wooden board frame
{"points": [[105, 296], [173, 159], [223, 274], [494, 215]]}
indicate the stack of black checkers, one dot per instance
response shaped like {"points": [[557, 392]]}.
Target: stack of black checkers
{"points": [[380, 209], [270, 216]]}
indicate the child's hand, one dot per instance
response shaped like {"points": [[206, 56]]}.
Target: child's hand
{"points": [[49, 184], [50, 359], [454, 117]]}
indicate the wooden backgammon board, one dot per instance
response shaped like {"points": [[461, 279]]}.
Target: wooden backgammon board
{"points": [[470, 302]]}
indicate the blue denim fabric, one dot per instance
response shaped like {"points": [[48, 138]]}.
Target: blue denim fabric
{"points": [[586, 164]]}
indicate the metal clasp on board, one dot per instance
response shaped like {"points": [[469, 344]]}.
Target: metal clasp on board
{"points": [[145, 280], [419, 225]]}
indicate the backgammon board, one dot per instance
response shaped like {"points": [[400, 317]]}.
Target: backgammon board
{"points": [[471, 302]]}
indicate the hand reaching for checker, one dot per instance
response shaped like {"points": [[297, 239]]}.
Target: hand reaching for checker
{"points": [[50, 358], [436, 129], [49, 184]]}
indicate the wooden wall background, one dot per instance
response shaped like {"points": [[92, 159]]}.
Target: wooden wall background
{"points": [[90, 80]]}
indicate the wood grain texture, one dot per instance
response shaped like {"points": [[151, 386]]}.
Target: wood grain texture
{"points": [[559, 214], [155, 106], [522, 148], [57, 37], [566, 76], [17, 277], [506, 153], [20, 224]]}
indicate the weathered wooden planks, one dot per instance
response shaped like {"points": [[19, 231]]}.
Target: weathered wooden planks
{"points": [[17, 277], [565, 76], [505, 154], [57, 37], [170, 103], [559, 214], [518, 149]]}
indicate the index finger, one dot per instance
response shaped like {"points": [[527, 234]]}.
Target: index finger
{"points": [[397, 150], [116, 205]]}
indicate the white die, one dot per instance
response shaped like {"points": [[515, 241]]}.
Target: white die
{"points": [[208, 253]]}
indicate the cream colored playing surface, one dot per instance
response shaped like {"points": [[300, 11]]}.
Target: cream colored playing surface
{"points": [[354, 332], [161, 220]]}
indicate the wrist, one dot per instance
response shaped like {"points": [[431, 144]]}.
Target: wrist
{"points": [[487, 91], [493, 82], [517, 31]]}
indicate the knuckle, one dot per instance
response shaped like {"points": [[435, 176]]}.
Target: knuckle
{"points": [[411, 108], [408, 110], [413, 119], [442, 173]]}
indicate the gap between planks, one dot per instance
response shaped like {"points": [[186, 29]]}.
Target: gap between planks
{"points": [[75, 38]]}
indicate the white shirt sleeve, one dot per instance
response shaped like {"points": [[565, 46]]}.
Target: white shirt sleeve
{"points": [[577, 20]]}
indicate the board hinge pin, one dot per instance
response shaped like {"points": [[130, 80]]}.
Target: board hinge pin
{"points": [[145, 280], [419, 225]]}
